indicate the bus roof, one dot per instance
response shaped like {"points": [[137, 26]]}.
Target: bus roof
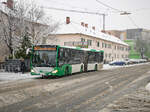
{"points": [[85, 49], [77, 48]]}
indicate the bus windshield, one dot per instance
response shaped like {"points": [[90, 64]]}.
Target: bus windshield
{"points": [[44, 58]]}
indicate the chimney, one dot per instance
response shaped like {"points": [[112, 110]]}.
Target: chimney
{"points": [[93, 27], [10, 4], [67, 20], [82, 24], [4, 3], [86, 25], [103, 31]]}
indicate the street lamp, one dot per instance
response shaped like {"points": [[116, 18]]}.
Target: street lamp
{"points": [[125, 13]]}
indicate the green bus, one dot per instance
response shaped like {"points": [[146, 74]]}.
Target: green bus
{"points": [[55, 60]]}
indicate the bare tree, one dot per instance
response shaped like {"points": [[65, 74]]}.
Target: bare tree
{"points": [[40, 26], [7, 27], [41, 31], [143, 47], [25, 16]]}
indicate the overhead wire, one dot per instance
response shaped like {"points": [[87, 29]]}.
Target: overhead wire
{"points": [[132, 21], [109, 6], [76, 11], [95, 13], [64, 4], [130, 18], [71, 10]]}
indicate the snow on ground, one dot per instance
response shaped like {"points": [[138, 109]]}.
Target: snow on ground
{"points": [[107, 66], [147, 87], [9, 76]]}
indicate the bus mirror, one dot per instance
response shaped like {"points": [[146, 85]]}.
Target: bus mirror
{"points": [[28, 51]]}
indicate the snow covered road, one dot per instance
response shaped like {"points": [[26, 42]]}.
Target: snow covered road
{"points": [[9, 76]]}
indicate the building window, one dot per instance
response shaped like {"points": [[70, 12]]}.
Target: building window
{"points": [[109, 55], [89, 42], [103, 45], [115, 47], [105, 55], [109, 45], [98, 44], [82, 40], [118, 56], [115, 56]]}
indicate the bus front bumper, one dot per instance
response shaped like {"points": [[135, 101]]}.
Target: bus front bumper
{"points": [[42, 73]]}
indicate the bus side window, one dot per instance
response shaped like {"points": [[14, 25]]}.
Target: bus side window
{"points": [[67, 55], [91, 58], [64, 57], [61, 56]]}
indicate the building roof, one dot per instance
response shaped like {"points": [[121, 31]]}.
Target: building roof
{"points": [[74, 28]]}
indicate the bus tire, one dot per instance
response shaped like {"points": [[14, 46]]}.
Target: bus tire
{"points": [[96, 67], [67, 71], [81, 68], [43, 77]]}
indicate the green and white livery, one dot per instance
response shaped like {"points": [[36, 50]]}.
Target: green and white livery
{"points": [[54, 60]]}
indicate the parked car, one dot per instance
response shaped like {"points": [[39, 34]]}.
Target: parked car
{"points": [[127, 61], [142, 60], [117, 63], [135, 61]]}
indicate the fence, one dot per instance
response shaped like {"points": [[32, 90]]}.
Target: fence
{"points": [[14, 65], [2, 66]]}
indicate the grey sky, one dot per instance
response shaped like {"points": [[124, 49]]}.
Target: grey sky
{"points": [[140, 10]]}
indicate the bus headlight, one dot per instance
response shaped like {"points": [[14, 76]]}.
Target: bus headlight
{"points": [[55, 71], [32, 70]]}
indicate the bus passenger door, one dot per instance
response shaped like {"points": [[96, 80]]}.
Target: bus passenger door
{"points": [[85, 62]]}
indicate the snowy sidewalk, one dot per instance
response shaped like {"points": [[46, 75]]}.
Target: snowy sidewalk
{"points": [[8, 76]]}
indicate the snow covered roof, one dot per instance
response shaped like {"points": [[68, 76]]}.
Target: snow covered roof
{"points": [[75, 28]]}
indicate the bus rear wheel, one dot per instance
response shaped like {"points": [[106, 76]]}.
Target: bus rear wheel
{"points": [[67, 71], [81, 68], [96, 67]]}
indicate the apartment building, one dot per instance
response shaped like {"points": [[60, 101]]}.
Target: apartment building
{"points": [[83, 35]]}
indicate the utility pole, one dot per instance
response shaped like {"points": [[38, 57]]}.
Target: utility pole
{"points": [[103, 21]]}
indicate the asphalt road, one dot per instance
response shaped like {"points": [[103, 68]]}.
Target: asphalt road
{"points": [[84, 92]]}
